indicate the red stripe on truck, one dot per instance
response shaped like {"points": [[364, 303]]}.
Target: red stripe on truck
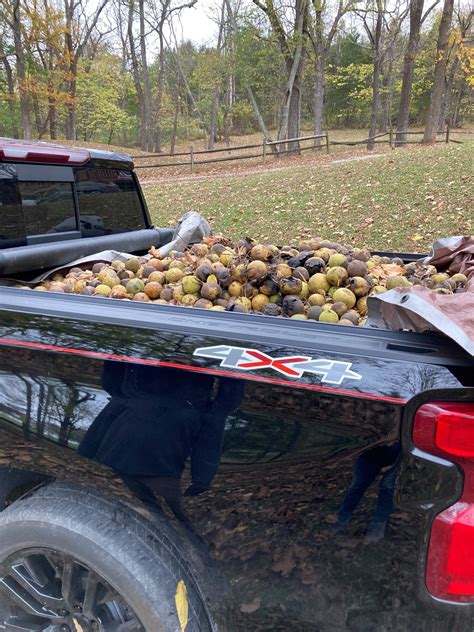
{"points": [[99, 355]]}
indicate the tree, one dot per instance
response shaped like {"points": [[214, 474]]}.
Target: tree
{"points": [[321, 42], [162, 13], [138, 76], [4, 60], [249, 90], [11, 14], [348, 81], [465, 79], [381, 37], [98, 110], [79, 28], [141, 74], [375, 38], [439, 75], [416, 20], [416, 11], [216, 89], [293, 47], [44, 42], [457, 46]]}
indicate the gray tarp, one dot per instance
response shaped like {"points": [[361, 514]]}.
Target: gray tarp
{"points": [[191, 229]]}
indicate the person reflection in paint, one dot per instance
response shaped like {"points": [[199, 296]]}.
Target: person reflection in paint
{"points": [[156, 419], [367, 467]]}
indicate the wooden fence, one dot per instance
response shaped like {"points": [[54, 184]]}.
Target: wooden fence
{"points": [[278, 148]]}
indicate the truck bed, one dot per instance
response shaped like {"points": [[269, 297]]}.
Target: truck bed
{"points": [[278, 337], [290, 443]]}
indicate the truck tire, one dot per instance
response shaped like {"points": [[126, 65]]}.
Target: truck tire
{"points": [[71, 559]]}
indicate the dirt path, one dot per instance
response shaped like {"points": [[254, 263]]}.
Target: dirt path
{"points": [[257, 169]]}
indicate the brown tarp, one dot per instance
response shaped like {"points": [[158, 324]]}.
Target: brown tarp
{"points": [[420, 309], [453, 254]]}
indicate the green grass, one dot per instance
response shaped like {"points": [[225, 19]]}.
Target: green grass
{"points": [[401, 201]]}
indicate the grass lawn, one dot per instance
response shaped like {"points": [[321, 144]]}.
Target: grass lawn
{"points": [[403, 200]]}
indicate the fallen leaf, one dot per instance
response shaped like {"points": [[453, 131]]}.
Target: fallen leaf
{"points": [[263, 492], [385, 270], [252, 606], [286, 563]]}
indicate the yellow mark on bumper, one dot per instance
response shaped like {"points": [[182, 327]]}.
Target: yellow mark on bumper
{"points": [[181, 599]]}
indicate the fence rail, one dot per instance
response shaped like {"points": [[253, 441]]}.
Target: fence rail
{"points": [[394, 138], [294, 140]]}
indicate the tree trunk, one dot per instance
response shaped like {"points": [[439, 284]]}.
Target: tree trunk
{"points": [[217, 88], [375, 103], [403, 119], [136, 78], [290, 119], [321, 45], [147, 109], [71, 131], [21, 72], [259, 117], [318, 99], [52, 110], [376, 77], [40, 127], [52, 118], [160, 88], [445, 103], [457, 105], [439, 74], [320, 51], [11, 90], [72, 69], [213, 119], [387, 91], [174, 131], [227, 122], [229, 100], [248, 89], [294, 113], [192, 100]]}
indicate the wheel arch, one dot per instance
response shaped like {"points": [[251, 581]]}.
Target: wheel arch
{"points": [[18, 482], [15, 482]]}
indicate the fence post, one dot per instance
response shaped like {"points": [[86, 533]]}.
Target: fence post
{"points": [[390, 137], [191, 156], [264, 150], [447, 133], [327, 142]]}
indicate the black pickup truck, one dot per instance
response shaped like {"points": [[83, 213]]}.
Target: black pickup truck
{"points": [[176, 469]]}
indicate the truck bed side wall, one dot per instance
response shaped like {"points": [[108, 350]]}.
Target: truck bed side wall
{"points": [[298, 484]]}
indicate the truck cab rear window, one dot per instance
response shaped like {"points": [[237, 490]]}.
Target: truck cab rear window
{"points": [[108, 200], [48, 207], [30, 209]]}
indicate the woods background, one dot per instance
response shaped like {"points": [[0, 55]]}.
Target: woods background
{"points": [[126, 72]]}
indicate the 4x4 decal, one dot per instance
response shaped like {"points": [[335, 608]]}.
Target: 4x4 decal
{"points": [[331, 371]]}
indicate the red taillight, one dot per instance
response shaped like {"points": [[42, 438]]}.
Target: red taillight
{"points": [[450, 564], [15, 151], [447, 430], [455, 433]]}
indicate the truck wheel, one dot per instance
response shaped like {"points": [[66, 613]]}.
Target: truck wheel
{"points": [[73, 561]]}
